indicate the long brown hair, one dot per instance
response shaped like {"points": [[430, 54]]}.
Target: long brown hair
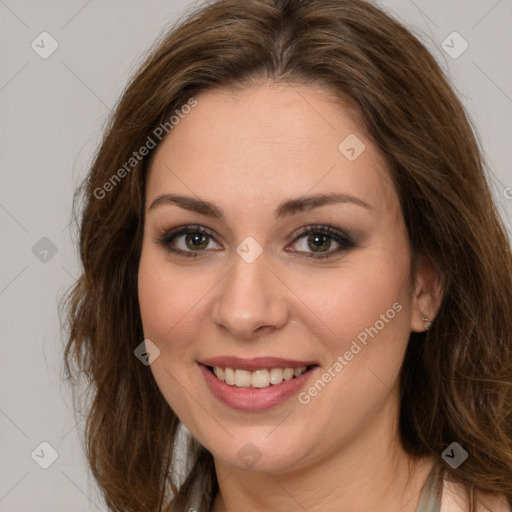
{"points": [[455, 381]]}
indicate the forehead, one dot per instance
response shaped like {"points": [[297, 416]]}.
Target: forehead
{"points": [[261, 143]]}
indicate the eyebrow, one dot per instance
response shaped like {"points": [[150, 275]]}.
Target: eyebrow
{"points": [[285, 209]]}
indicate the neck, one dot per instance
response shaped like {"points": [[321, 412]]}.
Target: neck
{"points": [[372, 472]]}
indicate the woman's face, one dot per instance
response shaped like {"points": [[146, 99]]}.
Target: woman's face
{"points": [[254, 290]]}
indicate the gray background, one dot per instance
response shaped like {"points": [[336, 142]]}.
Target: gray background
{"points": [[52, 113]]}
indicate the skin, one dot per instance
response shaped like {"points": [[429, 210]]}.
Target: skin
{"points": [[248, 152]]}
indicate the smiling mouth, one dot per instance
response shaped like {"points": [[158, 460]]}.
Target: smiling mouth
{"points": [[257, 379]]}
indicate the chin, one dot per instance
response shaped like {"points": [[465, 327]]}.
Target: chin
{"points": [[260, 453]]}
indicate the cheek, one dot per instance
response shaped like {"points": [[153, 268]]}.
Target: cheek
{"points": [[165, 296], [367, 312], [166, 305], [369, 301]]}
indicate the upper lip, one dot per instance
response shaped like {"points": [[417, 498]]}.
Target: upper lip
{"points": [[256, 363]]}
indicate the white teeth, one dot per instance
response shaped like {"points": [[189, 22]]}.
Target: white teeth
{"points": [[219, 373], [288, 374], [276, 375], [258, 379], [229, 376], [242, 378]]}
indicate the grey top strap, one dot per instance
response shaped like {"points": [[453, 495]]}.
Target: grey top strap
{"points": [[430, 498]]}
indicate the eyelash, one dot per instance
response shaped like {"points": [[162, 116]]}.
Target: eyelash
{"points": [[345, 241]]}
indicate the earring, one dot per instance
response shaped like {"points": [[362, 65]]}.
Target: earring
{"points": [[428, 323]]}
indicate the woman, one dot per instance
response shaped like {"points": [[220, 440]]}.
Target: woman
{"points": [[290, 250]]}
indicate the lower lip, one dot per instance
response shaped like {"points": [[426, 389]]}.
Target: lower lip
{"points": [[254, 399]]}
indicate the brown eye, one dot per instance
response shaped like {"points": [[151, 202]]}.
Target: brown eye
{"points": [[190, 241], [196, 241], [319, 239], [320, 242]]}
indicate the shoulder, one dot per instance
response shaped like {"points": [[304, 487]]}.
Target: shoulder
{"points": [[456, 498]]}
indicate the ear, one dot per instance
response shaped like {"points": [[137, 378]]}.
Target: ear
{"points": [[428, 295]]}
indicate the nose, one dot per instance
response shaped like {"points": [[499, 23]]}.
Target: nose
{"points": [[251, 300]]}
